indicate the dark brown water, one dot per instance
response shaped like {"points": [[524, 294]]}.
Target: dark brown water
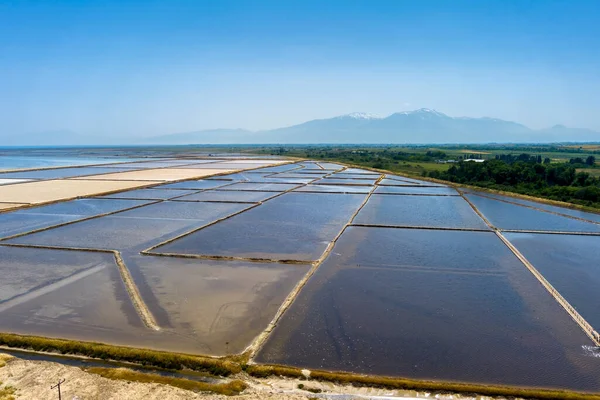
{"points": [[427, 304]]}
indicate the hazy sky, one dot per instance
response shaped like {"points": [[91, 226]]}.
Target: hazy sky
{"points": [[144, 68]]}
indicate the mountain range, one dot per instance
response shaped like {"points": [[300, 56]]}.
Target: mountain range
{"points": [[419, 126], [410, 127]]}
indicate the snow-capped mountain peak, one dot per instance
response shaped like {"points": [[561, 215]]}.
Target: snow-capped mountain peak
{"points": [[362, 115], [424, 111]]}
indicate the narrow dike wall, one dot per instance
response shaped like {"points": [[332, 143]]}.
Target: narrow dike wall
{"points": [[134, 294], [583, 324]]}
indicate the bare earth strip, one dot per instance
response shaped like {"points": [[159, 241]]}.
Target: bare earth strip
{"points": [[134, 294], [159, 174], [55, 190], [32, 380], [8, 206]]}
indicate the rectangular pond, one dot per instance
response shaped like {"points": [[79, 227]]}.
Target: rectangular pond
{"points": [[30, 219], [334, 189], [90, 306], [215, 307], [111, 233], [439, 305], [29, 271], [570, 264], [229, 196], [255, 177], [262, 187], [328, 165], [561, 210], [360, 171], [175, 210], [150, 194], [294, 226], [158, 174], [289, 175], [344, 175], [420, 211], [403, 180], [335, 181], [61, 172], [14, 224], [87, 207], [511, 216], [225, 165], [154, 164], [190, 185], [426, 190], [280, 168]]}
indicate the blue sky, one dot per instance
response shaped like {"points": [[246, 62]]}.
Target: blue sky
{"points": [[142, 68]]}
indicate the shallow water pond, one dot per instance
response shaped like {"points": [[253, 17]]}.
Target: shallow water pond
{"points": [[443, 305], [570, 264], [441, 191], [428, 211], [510, 216], [294, 226]]}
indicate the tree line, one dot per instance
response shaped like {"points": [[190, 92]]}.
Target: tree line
{"points": [[527, 175]]}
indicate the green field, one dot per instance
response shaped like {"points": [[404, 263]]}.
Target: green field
{"points": [[554, 172]]}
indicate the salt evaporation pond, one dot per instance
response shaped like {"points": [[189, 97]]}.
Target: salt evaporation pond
{"points": [[425, 304]]}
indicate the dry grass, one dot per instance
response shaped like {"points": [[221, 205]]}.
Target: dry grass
{"points": [[160, 359], [592, 171], [263, 371], [4, 358], [231, 388], [6, 393], [590, 147]]}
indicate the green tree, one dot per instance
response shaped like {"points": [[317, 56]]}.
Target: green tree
{"points": [[591, 160]]}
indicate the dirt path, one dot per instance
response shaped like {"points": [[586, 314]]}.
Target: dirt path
{"points": [[32, 381]]}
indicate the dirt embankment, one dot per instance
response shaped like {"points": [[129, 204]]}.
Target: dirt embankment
{"points": [[32, 380]]}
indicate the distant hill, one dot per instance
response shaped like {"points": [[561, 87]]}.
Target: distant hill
{"points": [[410, 127], [419, 126]]}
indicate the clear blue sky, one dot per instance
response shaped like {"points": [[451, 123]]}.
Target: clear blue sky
{"points": [[144, 68]]}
